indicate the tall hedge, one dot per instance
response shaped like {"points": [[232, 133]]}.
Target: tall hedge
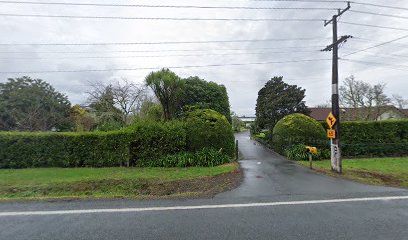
{"points": [[374, 138]]}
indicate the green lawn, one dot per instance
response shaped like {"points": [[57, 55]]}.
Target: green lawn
{"points": [[381, 171], [106, 182]]}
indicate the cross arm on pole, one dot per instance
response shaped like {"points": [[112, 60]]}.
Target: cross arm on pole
{"points": [[339, 41], [340, 12]]}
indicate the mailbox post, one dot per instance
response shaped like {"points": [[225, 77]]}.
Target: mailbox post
{"points": [[310, 151]]}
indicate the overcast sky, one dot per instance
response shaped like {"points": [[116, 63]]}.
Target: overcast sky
{"points": [[243, 81]]}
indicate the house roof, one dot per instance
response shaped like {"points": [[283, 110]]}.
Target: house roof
{"points": [[350, 114], [320, 114]]}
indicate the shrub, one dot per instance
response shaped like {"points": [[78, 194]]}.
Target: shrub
{"points": [[298, 152], [297, 129], [203, 158], [207, 128]]}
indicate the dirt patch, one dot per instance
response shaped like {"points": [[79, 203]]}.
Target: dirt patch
{"points": [[364, 177], [204, 186], [386, 179]]}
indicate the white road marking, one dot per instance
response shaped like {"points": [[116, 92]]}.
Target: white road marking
{"points": [[244, 205]]}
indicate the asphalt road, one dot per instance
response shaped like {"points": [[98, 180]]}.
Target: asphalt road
{"points": [[277, 200]]}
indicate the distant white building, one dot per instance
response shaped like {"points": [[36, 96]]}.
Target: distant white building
{"points": [[247, 120]]}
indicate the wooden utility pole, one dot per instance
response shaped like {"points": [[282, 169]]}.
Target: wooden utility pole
{"points": [[335, 142]]}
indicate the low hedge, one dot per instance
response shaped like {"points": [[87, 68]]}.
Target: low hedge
{"points": [[298, 153], [374, 138], [203, 158]]}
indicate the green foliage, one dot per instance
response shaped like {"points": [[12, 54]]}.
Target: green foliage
{"points": [[276, 100], [297, 129], [167, 87], [153, 140], [237, 124], [203, 158], [109, 126], [374, 138], [32, 105], [207, 128], [83, 120], [151, 111], [298, 152], [108, 116], [203, 94], [95, 149]]}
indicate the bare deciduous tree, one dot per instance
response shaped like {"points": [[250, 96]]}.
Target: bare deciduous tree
{"points": [[371, 99], [399, 101], [124, 96]]}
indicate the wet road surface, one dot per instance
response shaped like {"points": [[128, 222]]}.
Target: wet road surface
{"points": [[276, 200]]}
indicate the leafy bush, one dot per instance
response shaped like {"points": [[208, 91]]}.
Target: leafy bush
{"points": [[298, 152], [203, 158], [374, 138], [297, 129], [207, 128]]}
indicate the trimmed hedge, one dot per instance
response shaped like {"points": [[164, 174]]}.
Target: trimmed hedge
{"points": [[96, 149], [374, 138], [141, 142], [295, 129], [153, 140]]}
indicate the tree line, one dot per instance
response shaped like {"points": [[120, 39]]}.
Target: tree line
{"points": [[28, 104]]}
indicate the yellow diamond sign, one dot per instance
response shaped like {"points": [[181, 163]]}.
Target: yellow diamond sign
{"points": [[331, 120]]}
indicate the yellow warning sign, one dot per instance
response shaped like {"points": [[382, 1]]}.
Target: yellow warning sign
{"points": [[331, 133], [331, 120]]}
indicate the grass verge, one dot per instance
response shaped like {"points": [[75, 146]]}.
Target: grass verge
{"points": [[377, 171], [141, 183]]}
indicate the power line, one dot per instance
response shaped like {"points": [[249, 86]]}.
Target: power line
{"points": [[379, 14], [165, 50], [372, 40], [382, 55], [377, 45], [379, 64], [158, 56], [375, 26], [165, 6], [164, 18], [380, 5], [154, 68], [158, 43]]}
